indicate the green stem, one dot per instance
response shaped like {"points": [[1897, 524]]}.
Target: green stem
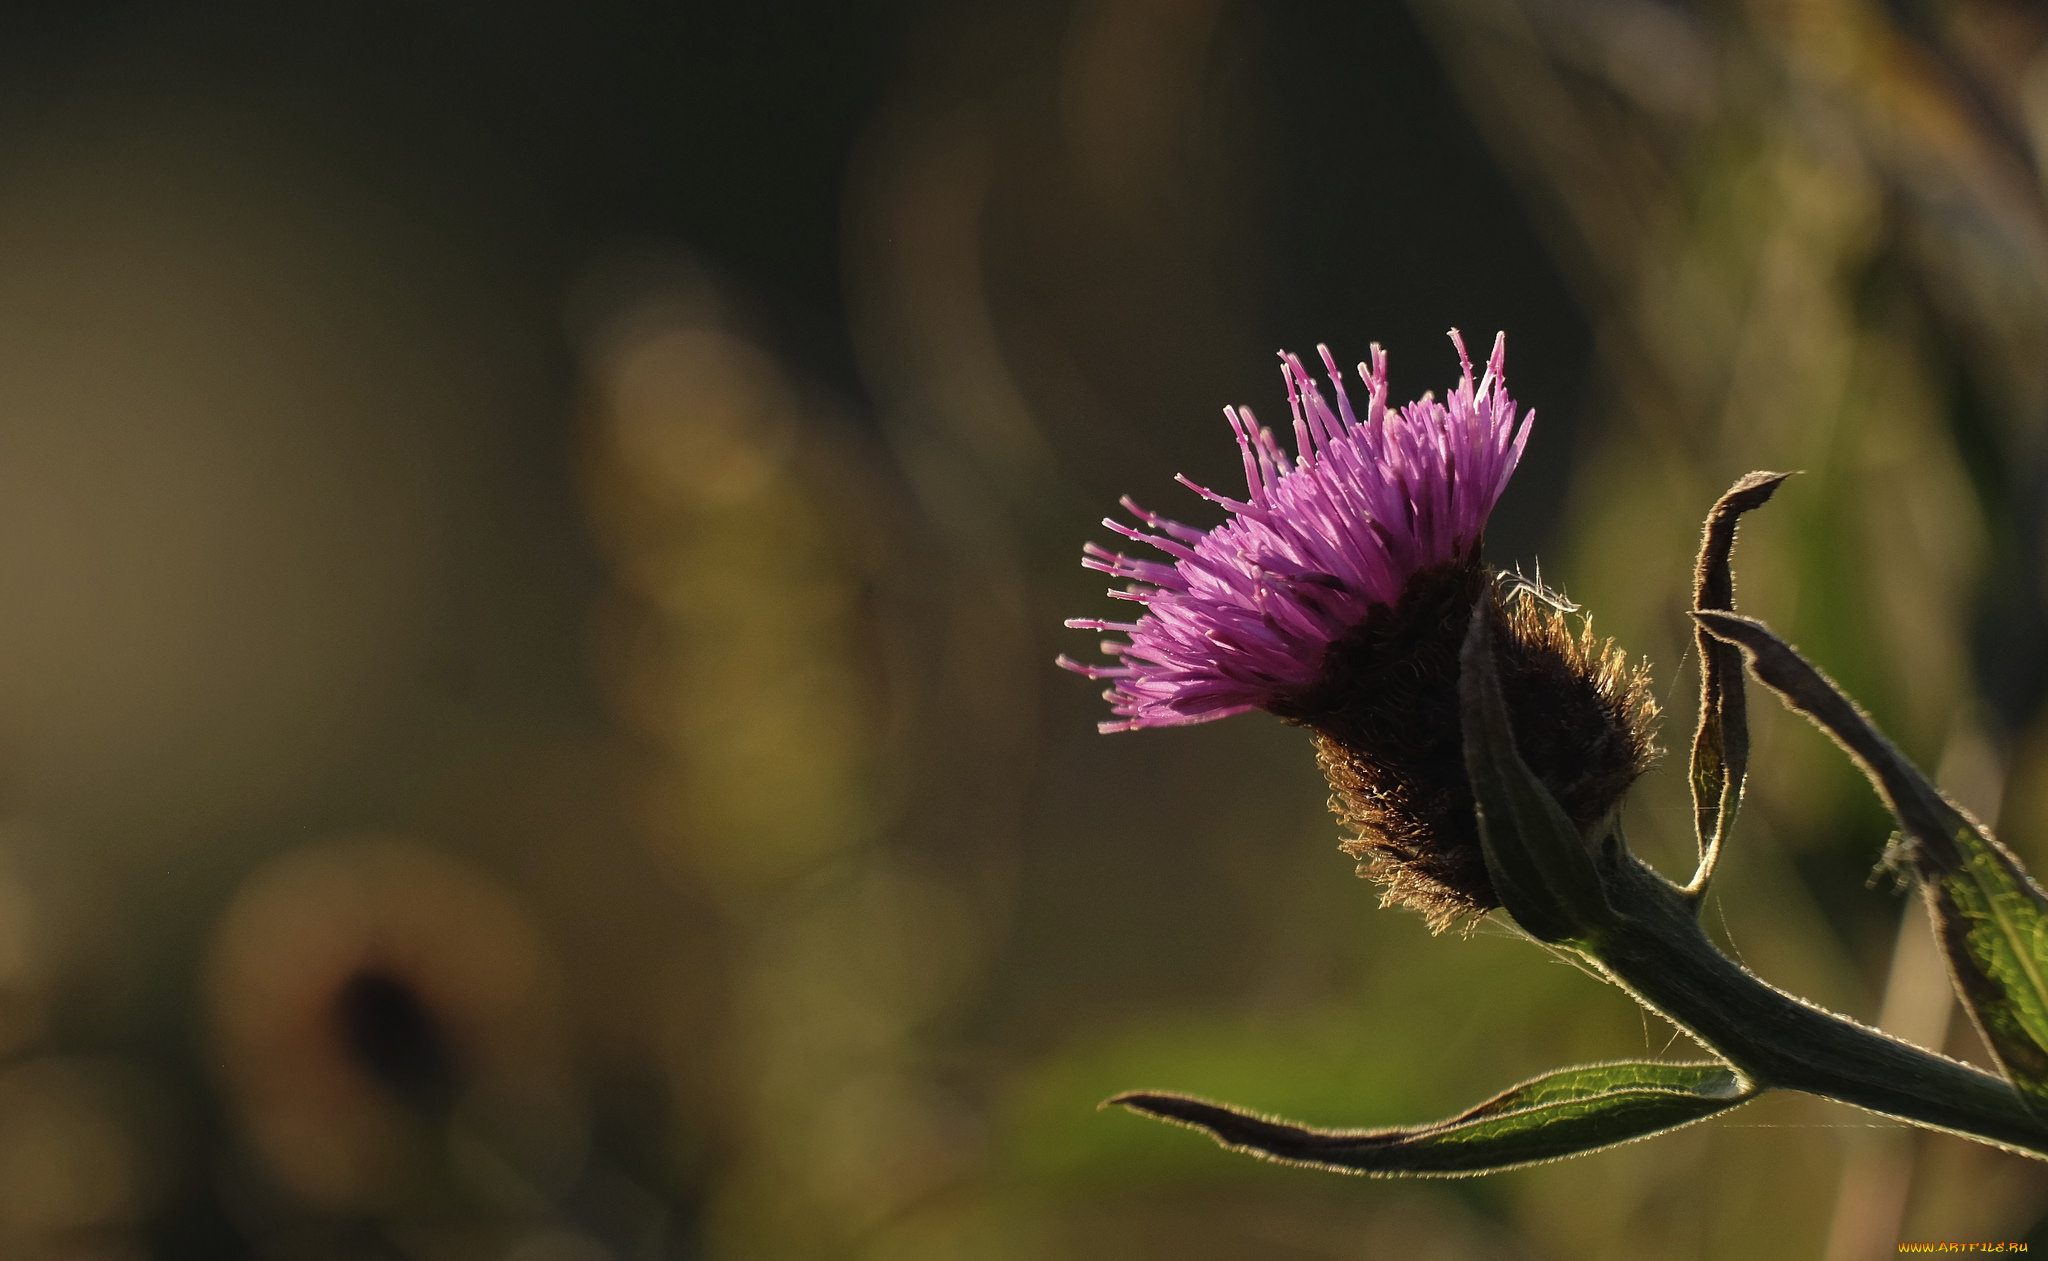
{"points": [[1654, 949]]}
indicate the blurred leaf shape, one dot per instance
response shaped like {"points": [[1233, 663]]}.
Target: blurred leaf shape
{"points": [[365, 993], [1565, 1113], [1990, 916]]}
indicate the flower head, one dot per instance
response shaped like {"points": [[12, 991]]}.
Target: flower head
{"points": [[1243, 615], [1337, 595]]}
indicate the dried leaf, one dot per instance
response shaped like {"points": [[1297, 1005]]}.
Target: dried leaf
{"points": [[1720, 747]]}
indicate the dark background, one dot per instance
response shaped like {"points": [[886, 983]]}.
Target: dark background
{"points": [[533, 538]]}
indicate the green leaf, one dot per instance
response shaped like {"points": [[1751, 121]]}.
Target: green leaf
{"points": [[1720, 745], [1539, 864], [1991, 918], [1565, 1113]]}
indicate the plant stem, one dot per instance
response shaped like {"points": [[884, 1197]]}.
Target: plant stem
{"points": [[1654, 949]]}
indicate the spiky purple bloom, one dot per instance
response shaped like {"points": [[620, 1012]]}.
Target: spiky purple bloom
{"points": [[1244, 614]]}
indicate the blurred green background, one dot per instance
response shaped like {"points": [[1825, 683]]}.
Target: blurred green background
{"points": [[533, 537]]}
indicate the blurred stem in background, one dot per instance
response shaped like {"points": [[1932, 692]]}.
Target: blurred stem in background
{"points": [[763, 637]]}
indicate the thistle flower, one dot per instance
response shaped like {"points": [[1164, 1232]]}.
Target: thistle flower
{"points": [[1336, 595]]}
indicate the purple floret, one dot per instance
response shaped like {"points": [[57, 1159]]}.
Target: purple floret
{"points": [[1241, 615]]}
